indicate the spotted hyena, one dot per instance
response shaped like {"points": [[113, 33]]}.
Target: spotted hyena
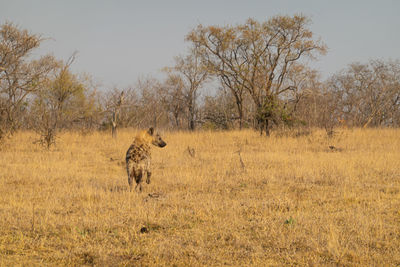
{"points": [[138, 157]]}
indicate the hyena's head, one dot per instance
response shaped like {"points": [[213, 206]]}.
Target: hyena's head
{"points": [[155, 138]]}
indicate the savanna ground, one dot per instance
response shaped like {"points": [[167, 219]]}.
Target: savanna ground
{"points": [[281, 201]]}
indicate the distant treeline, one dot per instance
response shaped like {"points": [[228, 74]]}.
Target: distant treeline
{"points": [[257, 70]]}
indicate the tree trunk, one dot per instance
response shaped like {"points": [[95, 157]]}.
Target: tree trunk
{"points": [[114, 131], [191, 123], [191, 117], [266, 123], [264, 126], [176, 117], [239, 107], [114, 125], [240, 111]]}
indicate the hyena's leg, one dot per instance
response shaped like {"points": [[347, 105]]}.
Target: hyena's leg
{"points": [[139, 185], [130, 173], [130, 180], [148, 171], [148, 176], [138, 178]]}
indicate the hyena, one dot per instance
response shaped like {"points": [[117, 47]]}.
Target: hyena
{"points": [[138, 157]]}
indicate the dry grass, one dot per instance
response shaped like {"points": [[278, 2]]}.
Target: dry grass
{"points": [[282, 201]]}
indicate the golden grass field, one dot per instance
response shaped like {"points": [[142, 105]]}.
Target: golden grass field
{"points": [[292, 201]]}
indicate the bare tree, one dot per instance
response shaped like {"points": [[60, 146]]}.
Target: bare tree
{"points": [[153, 109], [219, 112], [368, 94], [19, 75], [128, 113], [117, 107], [61, 102], [302, 83], [115, 113], [192, 74], [175, 97], [257, 56]]}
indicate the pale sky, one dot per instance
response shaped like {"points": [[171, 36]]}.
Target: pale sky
{"points": [[120, 41]]}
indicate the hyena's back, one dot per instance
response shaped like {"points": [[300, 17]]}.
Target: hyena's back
{"points": [[137, 162]]}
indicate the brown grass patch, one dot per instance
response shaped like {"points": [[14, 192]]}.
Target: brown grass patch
{"points": [[281, 201]]}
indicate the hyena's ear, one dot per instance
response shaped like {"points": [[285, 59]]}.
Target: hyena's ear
{"points": [[151, 131]]}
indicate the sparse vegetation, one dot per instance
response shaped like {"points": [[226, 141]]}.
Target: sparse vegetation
{"points": [[294, 201], [315, 192], [257, 75]]}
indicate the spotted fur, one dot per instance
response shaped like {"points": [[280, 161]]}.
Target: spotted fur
{"points": [[138, 157]]}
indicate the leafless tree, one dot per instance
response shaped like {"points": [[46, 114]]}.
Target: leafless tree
{"points": [[116, 107], [19, 74], [153, 109], [219, 112], [369, 94], [175, 98], [257, 56], [61, 102], [192, 75]]}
